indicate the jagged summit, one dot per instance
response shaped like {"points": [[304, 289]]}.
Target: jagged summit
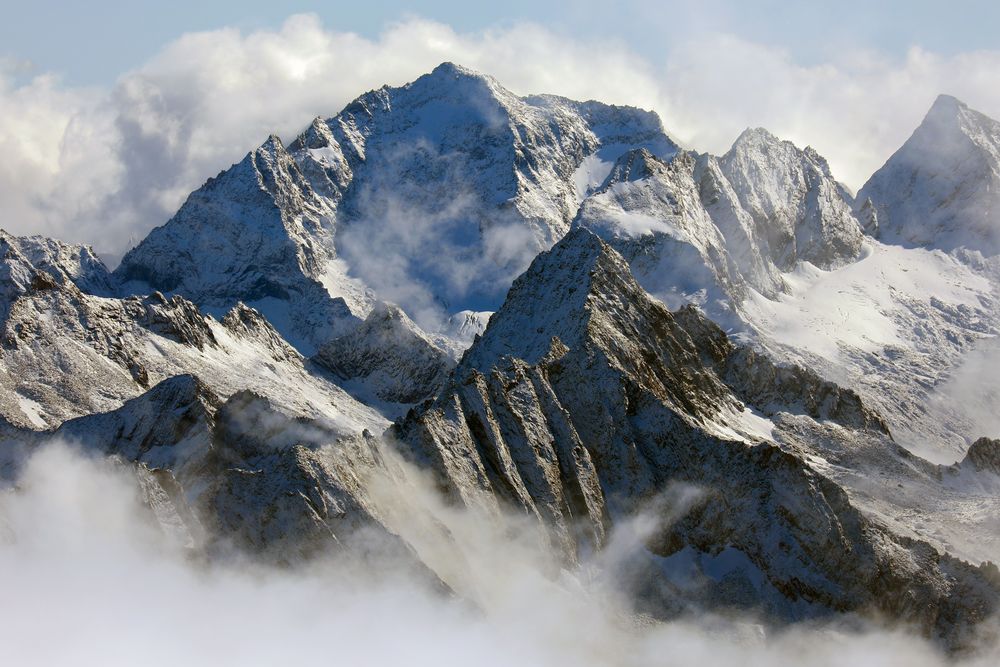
{"points": [[24, 256], [949, 114], [474, 180], [554, 297], [584, 395], [706, 229], [800, 211], [256, 233], [753, 138], [449, 74], [941, 189]]}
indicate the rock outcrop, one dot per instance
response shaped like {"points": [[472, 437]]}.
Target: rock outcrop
{"points": [[388, 357]]}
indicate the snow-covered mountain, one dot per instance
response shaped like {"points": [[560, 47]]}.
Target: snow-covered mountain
{"points": [[941, 189], [706, 229], [67, 353], [737, 331], [434, 195], [22, 258], [767, 243], [578, 414], [257, 233]]}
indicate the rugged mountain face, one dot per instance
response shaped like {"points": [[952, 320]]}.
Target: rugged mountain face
{"points": [[578, 409], [651, 211], [388, 357], [941, 189], [258, 234], [799, 210], [67, 353], [707, 229], [245, 392], [434, 195], [238, 473], [22, 259], [984, 455], [765, 241]]}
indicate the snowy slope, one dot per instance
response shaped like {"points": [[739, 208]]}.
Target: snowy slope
{"points": [[67, 353], [576, 406], [765, 241], [941, 189], [433, 195], [895, 326], [704, 229]]}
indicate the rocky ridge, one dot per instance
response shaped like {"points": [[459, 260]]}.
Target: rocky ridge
{"points": [[245, 392], [941, 189], [599, 405]]}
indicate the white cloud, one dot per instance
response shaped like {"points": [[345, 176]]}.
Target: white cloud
{"points": [[88, 579], [100, 166], [855, 111]]}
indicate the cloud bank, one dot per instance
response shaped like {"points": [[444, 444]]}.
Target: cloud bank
{"points": [[104, 166], [88, 577]]}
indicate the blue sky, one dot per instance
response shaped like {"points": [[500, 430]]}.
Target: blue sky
{"points": [[94, 42]]}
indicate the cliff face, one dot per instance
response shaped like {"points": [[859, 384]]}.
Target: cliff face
{"points": [[605, 402]]}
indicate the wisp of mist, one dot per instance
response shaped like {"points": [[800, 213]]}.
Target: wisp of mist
{"points": [[88, 577]]}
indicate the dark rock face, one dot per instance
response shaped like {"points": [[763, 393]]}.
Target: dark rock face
{"points": [[175, 318], [984, 455], [389, 356], [608, 399]]}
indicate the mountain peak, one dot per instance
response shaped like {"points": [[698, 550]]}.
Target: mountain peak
{"points": [[453, 79], [272, 144], [552, 296], [452, 148], [64, 262], [388, 356], [450, 69], [947, 103], [941, 189], [950, 118], [755, 137], [580, 300], [317, 135]]}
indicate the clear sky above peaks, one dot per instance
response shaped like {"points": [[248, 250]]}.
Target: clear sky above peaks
{"points": [[93, 42]]}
